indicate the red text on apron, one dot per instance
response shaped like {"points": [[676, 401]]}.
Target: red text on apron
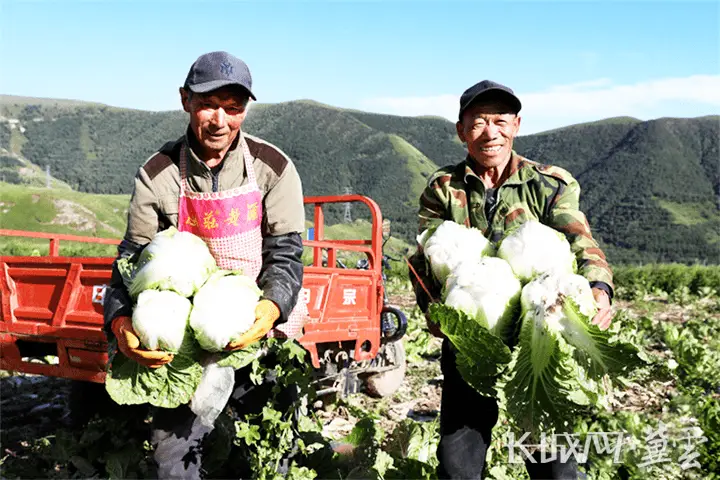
{"points": [[230, 222]]}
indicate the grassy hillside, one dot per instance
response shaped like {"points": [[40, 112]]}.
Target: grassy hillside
{"points": [[13, 105], [17, 170], [419, 166], [651, 189], [435, 137], [59, 211], [63, 211]]}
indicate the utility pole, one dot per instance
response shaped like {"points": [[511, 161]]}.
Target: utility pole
{"points": [[348, 207], [47, 176]]}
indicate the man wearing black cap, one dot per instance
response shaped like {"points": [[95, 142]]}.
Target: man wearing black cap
{"points": [[243, 197], [494, 189]]}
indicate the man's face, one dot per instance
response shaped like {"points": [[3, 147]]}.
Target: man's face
{"points": [[215, 118], [488, 131]]}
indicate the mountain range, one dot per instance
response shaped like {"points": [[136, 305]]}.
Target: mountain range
{"points": [[650, 189]]}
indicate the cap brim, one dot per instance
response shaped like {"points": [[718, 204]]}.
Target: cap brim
{"points": [[513, 101], [215, 84]]}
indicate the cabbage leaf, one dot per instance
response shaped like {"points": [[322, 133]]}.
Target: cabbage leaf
{"points": [[169, 386], [481, 356]]}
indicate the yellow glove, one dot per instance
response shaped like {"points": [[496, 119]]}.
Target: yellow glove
{"points": [[266, 313], [129, 345]]}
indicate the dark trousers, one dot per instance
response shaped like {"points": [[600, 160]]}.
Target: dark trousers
{"points": [[466, 422], [178, 435]]}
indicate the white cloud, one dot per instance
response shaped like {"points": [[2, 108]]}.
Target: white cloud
{"points": [[581, 102]]}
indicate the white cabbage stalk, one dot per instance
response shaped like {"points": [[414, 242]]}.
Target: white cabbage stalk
{"points": [[486, 290], [551, 299], [450, 245], [177, 261], [534, 249], [224, 309], [160, 319]]}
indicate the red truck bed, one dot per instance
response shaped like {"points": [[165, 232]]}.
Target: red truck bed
{"points": [[52, 305]]}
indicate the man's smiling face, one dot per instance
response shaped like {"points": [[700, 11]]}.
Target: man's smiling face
{"points": [[488, 130], [215, 118]]}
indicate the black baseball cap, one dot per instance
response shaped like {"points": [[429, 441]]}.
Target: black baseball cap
{"points": [[216, 70], [488, 87]]}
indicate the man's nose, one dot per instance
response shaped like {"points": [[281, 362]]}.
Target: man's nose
{"points": [[490, 130], [219, 117]]}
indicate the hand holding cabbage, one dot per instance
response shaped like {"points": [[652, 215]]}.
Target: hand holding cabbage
{"points": [[223, 309], [266, 313], [186, 312], [529, 300], [604, 316], [129, 344]]}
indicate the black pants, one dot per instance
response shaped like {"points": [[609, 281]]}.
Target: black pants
{"points": [[466, 422], [178, 435]]}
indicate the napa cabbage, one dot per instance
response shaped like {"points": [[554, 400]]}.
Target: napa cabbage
{"points": [[533, 249], [480, 355], [560, 359], [173, 260], [531, 346], [451, 244], [224, 309], [487, 291], [220, 306], [160, 319]]}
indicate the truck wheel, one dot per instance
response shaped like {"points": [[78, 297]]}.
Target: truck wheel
{"points": [[386, 383]]}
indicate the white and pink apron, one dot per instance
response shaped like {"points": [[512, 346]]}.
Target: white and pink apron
{"points": [[230, 224]]}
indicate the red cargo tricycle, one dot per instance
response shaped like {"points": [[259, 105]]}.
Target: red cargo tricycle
{"points": [[52, 308]]}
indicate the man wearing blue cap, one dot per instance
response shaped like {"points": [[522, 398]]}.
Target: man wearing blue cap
{"points": [[494, 190], [253, 194]]}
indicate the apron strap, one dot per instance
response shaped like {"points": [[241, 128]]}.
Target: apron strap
{"points": [[247, 158], [183, 170]]}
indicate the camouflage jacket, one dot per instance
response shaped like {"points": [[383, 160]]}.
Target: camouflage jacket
{"points": [[532, 191]]}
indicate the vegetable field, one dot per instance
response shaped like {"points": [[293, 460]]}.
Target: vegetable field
{"points": [[660, 422]]}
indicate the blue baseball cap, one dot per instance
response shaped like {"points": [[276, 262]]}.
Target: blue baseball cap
{"points": [[216, 70]]}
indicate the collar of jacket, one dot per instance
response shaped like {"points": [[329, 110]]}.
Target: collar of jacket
{"points": [[519, 168], [233, 154]]}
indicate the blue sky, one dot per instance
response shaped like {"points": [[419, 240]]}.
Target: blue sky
{"points": [[568, 61]]}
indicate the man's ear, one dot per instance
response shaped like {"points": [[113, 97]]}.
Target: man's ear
{"points": [[460, 131], [517, 124], [185, 99]]}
